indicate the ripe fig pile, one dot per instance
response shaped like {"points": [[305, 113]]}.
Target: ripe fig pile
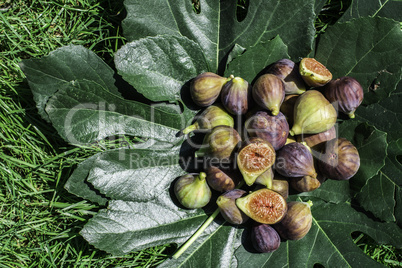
{"points": [[265, 138]]}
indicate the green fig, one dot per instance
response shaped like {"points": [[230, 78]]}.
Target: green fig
{"points": [[228, 209], [206, 87], [263, 206], [266, 178], [193, 191], [314, 73], [312, 114], [220, 143], [254, 158], [235, 95], [269, 92], [281, 186], [212, 116]]}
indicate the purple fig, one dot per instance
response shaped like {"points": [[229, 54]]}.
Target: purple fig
{"points": [[340, 159], [345, 93], [235, 94], [297, 222], [269, 92], [222, 180], [295, 160], [264, 238], [274, 129], [228, 209], [288, 71]]}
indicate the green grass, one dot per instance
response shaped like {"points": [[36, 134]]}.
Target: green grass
{"points": [[39, 220]]}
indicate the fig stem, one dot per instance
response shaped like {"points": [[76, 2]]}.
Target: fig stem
{"points": [[196, 234], [190, 128], [204, 226]]}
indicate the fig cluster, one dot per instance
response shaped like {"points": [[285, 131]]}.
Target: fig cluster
{"points": [[276, 137]]}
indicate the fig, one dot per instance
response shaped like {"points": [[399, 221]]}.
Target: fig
{"points": [[192, 191], [347, 94], [269, 92], [266, 178], [340, 159], [297, 222], [305, 183], [220, 143], [212, 116], [287, 107], [221, 180], [264, 238], [314, 73], [281, 186], [254, 158], [228, 209], [318, 139], [288, 71], [263, 206], [274, 129], [235, 94], [295, 160], [206, 87], [312, 114]]}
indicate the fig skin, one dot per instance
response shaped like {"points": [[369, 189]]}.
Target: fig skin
{"points": [[281, 186], [228, 209], [206, 87], [287, 107], [305, 184], [274, 129], [314, 140], [269, 92], [220, 143], [193, 191], [254, 158], [312, 114], [212, 116], [266, 178], [295, 160], [221, 180], [235, 94], [288, 71], [264, 238], [263, 206], [297, 222], [346, 93], [340, 160]]}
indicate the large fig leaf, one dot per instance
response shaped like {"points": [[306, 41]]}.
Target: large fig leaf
{"points": [[328, 242], [84, 111], [216, 28], [115, 173], [364, 8], [158, 67], [368, 49], [50, 73], [127, 226], [250, 63]]}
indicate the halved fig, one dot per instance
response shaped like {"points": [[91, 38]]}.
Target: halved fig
{"points": [[254, 158], [263, 206]]}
